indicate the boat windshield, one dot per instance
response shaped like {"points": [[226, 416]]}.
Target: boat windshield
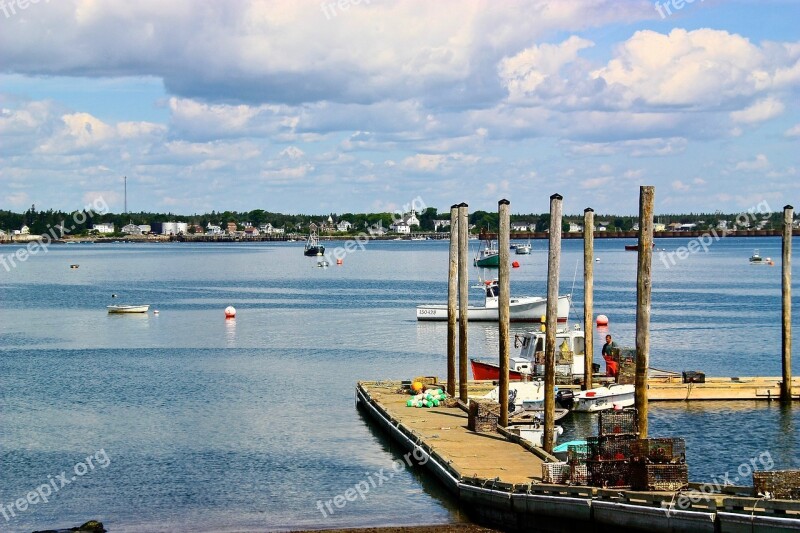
{"points": [[492, 291]]}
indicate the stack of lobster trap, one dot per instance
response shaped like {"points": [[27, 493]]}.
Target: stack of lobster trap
{"points": [[618, 458]]}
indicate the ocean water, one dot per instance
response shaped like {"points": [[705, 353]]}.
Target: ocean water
{"points": [[194, 422]]}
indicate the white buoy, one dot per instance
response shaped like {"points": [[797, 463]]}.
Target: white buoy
{"points": [[230, 312]]}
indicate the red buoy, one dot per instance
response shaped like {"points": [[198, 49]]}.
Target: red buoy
{"points": [[230, 312], [515, 264], [602, 320]]}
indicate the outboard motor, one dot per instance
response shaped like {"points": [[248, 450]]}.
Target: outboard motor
{"points": [[512, 395], [565, 398]]}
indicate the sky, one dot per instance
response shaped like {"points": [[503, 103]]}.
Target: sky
{"points": [[374, 105]]}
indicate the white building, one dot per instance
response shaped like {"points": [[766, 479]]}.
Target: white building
{"points": [[131, 229], [400, 227], [174, 228], [103, 227], [212, 229], [575, 228], [440, 223], [144, 228], [343, 225], [520, 226]]}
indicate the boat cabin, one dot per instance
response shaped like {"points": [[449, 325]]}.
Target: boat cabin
{"points": [[570, 351]]}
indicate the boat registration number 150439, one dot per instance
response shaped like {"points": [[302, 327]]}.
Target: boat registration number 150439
{"points": [[427, 311]]}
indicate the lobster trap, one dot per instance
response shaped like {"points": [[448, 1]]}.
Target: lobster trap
{"points": [[483, 416], [660, 450], [609, 474], [618, 422], [611, 447], [555, 473], [779, 484], [664, 477]]}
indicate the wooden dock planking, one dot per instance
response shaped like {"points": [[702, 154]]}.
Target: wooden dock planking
{"points": [[470, 454]]}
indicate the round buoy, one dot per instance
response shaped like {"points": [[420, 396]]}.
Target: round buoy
{"points": [[515, 264], [339, 261], [602, 320], [230, 312], [155, 312], [416, 386], [113, 295]]}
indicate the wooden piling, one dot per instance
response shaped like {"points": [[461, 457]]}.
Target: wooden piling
{"points": [[786, 289], [452, 295], [503, 301], [551, 321], [643, 288], [463, 298], [588, 295]]}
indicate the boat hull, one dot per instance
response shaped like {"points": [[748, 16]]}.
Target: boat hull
{"points": [[482, 370], [604, 399], [126, 309], [523, 250], [314, 250], [489, 261], [530, 309]]}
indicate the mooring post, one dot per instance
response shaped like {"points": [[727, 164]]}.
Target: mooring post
{"points": [[643, 287], [503, 300], [452, 295], [551, 322], [463, 298], [588, 296], [786, 265]]}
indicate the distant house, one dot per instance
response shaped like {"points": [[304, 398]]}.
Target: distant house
{"points": [[440, 223], [103, 227], [674, 226], [24, 230], [520, 226], [400, 227], [722, 224], [144, 228], [343, 225], [657, 226], [602, 228], [213, 229], [575, 228], [197, 229], [250, 231], [231, 228], [688, 227], [131, 229]]}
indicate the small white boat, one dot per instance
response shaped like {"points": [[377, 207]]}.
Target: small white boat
{"points": [[534, 433], [528, 397], [524, 249], [603, 398], [121, 309], [322, 263], [521, 309]]}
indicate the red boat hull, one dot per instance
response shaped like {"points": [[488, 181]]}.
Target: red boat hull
{"points": [[482, 370]]}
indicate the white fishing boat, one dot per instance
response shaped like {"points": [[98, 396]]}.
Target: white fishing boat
{"points": [[521, 309], [524, 249], [570, 355], [534, 433], [604, 398], [528, 397], [124, 309], [756, 259]]}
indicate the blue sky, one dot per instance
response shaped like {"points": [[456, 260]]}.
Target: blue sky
{"points": [[352, 106]]}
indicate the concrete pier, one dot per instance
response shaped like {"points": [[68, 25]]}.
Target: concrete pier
{"points": [[498, 481]]}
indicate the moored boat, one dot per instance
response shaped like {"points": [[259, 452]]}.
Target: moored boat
{"points": [[756, 259], [603, 398], [313, 247], [124, 309], [521, 309], [488, 256], [523, 249]]}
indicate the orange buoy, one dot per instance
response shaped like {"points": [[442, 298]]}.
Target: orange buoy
{"points": [[515, 264], [602, 320], [339, 261], [230, 312]]}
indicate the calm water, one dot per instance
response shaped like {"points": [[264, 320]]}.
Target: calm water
{"points": [[210, 424]]}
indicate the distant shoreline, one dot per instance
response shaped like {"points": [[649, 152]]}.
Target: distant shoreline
{"points": [[430, 236]]}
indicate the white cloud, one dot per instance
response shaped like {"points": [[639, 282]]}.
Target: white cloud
{"points": [[794, 131], [759, 163], [678, 185], [759, 112]]}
